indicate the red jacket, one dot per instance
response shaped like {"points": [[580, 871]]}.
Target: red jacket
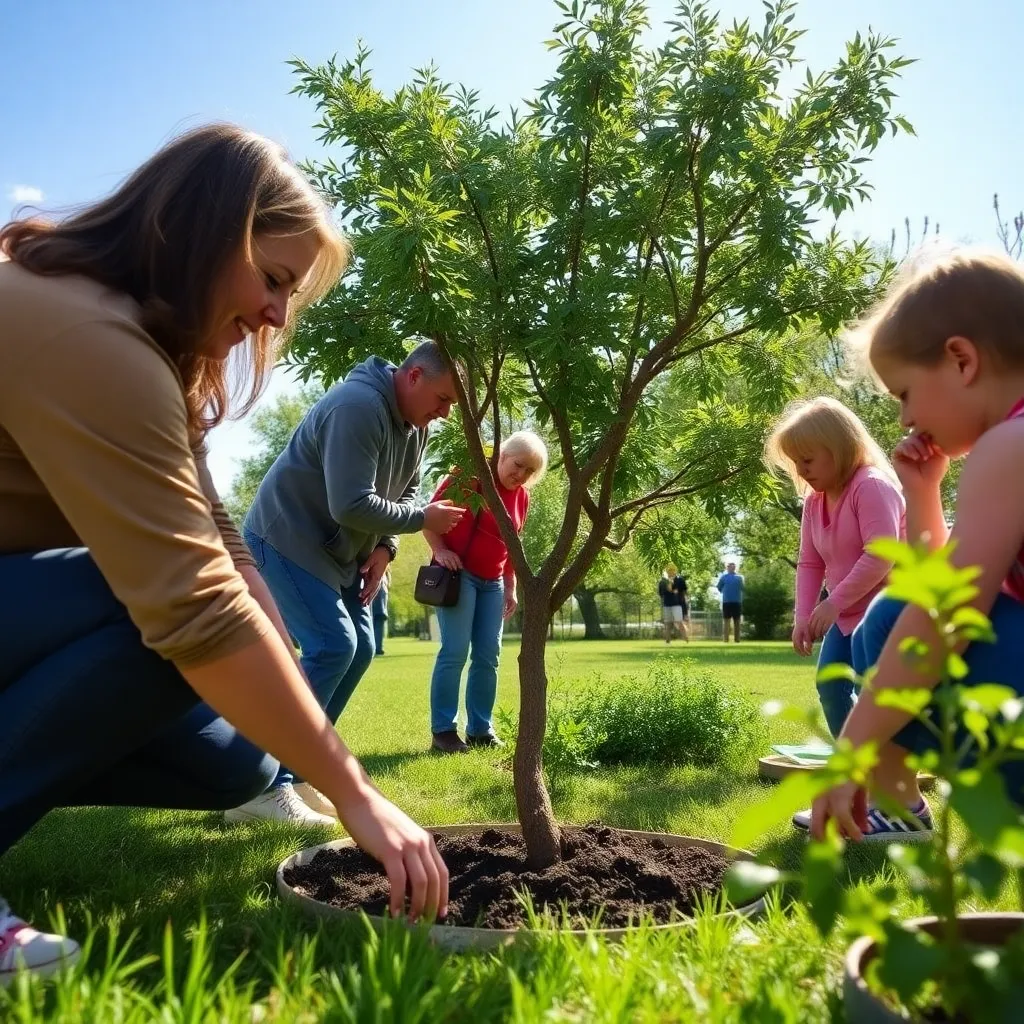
{"points": [[482, 550]]}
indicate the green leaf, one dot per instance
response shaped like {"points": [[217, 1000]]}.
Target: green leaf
{"points": [[913, 592], [956, 666], [1009, 848], [985, 808], [907, 960], [746, 880], [913, 647], [973, 624], [912, 701], [793, 794], [822, 891], [837, 671], [985, 874], [976, 724], [908, 860], [891, 550], [986, 697]]}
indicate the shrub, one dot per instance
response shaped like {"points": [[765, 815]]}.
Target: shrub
{"points": [[675, 714], [570, 745]]}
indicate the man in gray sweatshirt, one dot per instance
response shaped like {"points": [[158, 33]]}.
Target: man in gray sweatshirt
{"points": [[324, 526]]}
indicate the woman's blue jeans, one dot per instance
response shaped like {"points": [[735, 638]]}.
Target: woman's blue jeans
{"points": [[838, 696], [91, 716], [472, 628]]}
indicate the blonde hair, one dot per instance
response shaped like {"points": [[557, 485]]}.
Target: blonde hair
{"points": [[823, 421], [165, 237], [970, 293], [529, 445]]}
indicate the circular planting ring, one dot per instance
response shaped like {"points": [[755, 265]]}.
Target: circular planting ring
{"points": [[457, 937]]}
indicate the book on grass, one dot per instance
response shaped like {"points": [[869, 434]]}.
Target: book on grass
{"points": [[804, 753]]}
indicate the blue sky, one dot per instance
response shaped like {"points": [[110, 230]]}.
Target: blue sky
{"points": [[91, 87]]}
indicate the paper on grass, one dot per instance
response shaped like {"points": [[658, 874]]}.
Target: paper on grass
{"points": [[803, 753]]}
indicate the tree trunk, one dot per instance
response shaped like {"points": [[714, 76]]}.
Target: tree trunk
{"points": [[591, 617], [540, 832]]}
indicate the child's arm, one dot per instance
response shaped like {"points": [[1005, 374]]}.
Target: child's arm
{"points": [[921, 467], [989, 534], [810, 569], [879, 510]]}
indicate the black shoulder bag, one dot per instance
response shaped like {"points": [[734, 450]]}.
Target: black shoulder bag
{"points": [[439, 586]]}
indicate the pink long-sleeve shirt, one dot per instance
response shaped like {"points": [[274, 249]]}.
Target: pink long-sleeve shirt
{"points": [[832, 545]]}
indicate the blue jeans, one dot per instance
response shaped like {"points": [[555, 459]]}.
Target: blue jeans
{"points": [[837, 697], [333, 631], [987, 663], [91, 716], [472, 628]]}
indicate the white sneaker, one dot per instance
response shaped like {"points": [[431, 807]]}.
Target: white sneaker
{"points": [[22, 947], [281, 803], [312, 797]]}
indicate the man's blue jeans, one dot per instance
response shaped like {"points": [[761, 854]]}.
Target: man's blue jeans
{"points": [[91, 716], [838, 696], [333, 631], [472, 628]]}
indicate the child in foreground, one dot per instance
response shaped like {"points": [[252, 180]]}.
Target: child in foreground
{"points": [[851, 497], [948, 343]]}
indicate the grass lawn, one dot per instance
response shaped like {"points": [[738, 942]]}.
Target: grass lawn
{"points": [[184, 923]]}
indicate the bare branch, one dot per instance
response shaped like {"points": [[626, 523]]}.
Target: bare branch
{"points": [[581, 204], [670, 277]]}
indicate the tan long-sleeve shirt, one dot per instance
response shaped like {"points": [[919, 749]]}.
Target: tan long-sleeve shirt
{"points": [[95, 452]]}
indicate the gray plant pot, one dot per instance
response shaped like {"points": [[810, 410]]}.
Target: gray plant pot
{"points": [[456, 938], [864, 1007]]}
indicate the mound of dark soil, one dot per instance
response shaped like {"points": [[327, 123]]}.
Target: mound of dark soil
{"points": [[602, 870]]}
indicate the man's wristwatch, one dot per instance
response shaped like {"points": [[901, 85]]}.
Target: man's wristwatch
{"points": [[389, 548]]}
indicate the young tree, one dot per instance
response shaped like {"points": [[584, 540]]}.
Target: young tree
{"points": [[652, 216]]}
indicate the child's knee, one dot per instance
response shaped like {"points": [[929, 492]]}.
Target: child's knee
{"points": [[869, 637]]}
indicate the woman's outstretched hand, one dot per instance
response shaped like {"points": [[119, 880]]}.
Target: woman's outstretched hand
{"points": [[406, 852]]}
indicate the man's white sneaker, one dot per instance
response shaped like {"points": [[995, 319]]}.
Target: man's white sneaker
{"points": [[22, 947], [281, 803], [312, 797]]}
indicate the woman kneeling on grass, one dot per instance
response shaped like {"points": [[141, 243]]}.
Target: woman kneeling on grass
{"points": [[487, 596], [130, 596], [948, 342]]}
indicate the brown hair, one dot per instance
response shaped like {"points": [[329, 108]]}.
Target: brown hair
{"points": [[828, 423], [166, 235], [968, 293]]}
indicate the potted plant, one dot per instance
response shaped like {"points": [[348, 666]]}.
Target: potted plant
{"points": [[952, 965]]}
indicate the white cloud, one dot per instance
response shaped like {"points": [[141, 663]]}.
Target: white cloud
{"points": [[25, 194]]}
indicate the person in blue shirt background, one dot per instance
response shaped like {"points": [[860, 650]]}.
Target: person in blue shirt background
{"points": [[730, 586]]}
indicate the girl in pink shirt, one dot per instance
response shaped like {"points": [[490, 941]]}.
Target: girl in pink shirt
{"points": [[852, 496]]}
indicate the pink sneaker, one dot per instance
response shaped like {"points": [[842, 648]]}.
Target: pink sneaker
{"points": [[22, 947]]}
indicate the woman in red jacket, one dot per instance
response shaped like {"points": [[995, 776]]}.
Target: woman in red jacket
{"points": [[487, 597]]}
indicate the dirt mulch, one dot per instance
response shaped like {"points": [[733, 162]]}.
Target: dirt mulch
{"points": [[601, 870]]}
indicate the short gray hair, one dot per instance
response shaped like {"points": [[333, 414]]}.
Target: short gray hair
{"points": [[427, 356]]}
